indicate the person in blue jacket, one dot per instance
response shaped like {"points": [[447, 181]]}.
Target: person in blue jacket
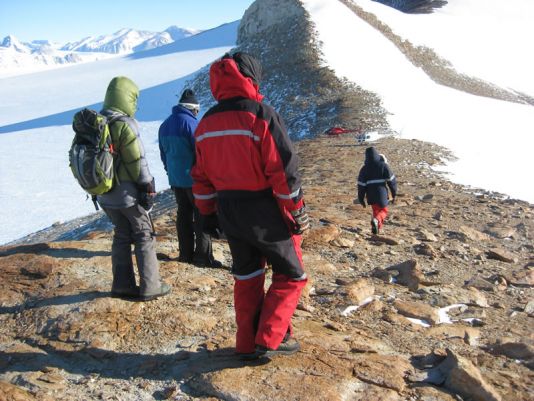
{"points": [[177, 150], [374, 179]]}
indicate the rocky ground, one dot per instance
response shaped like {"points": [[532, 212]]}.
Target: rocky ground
{"points": [[439, 306]]}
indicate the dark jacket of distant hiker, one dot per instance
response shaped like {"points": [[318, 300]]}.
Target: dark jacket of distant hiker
{"points": [[373, 178], [131, 166]]}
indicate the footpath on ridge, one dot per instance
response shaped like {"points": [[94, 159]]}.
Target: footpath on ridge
{"points": [[439, 305]]}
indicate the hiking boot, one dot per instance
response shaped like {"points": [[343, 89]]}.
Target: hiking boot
{"points": [[287, 347], [162, 291], [210, 263], [125, 293], [374, 226]]}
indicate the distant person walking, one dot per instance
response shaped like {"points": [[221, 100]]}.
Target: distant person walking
{"points": [[177, 150], [373, 181], [246, 178], [132, 196]]}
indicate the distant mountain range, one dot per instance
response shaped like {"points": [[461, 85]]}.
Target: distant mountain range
{"points": [[19, 57]]}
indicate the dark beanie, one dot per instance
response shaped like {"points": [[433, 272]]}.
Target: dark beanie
{"points": [[248, 66], [188, 97]]}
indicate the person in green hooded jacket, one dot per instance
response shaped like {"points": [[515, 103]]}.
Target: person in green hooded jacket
{"points": [[128, 203]]}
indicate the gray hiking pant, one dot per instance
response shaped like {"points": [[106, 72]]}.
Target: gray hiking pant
{"points": [[133, 226]]}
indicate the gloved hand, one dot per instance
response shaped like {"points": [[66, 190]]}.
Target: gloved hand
{"points": [[147, 195], [392, 201], [362, 202], [301, 220], [146, 200], [210, 225]]}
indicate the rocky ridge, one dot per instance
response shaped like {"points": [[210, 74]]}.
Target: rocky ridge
{"points": [[439, 306]]}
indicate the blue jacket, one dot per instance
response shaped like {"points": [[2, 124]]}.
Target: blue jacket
{"points": [[177, 146], [373, 178]]}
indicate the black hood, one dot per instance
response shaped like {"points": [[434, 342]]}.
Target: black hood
{"points": [[248, 66], [371, 155]]}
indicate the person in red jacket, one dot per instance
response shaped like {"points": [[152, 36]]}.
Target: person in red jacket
{"points": [[245, 178]]}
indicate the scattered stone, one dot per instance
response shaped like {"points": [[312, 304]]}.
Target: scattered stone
{"points": [[382, 274], [322, 234], [500, 232], [359, 291], [473, 234], [479, 283], [523, 278], [417, 310], [502, 255], [386, 371], [409, 275], [426, 250], [425, 235], [514, 350], [462, 377], [170, 393], [10, 392], [384, 239], [341, 242], [529, 308], [438, 216], [469, 335]]}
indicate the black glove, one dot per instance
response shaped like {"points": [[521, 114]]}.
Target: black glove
{"points": [[147, 194], [392, 201], [210, 225], [362, 202], [301, 220], [146, 200]]}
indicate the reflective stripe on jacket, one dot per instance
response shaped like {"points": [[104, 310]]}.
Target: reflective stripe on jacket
{"points": [[242, 145]]}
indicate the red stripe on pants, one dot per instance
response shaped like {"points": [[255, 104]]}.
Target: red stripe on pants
{"points": [[248, 300], [278, 307], [379, 213]]}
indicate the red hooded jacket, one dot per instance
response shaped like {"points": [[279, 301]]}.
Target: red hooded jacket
{"points": [[242, 145]]}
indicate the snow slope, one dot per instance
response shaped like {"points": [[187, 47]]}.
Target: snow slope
{"points": [[36, 186], [490, 39], [492, 139]]}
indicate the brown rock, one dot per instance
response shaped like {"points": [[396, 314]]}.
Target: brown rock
{"points": [[500, 232], [428, 393], [502, 255], [10, 392], [384, 239], [523, 278], [382, 275], [529, 308], [425, 235], [360, 290], [473, 234], [479, 283], [386, 371], [426, 250], [417, 310], [409, 275], [514, 350], [461, 376], [470, 335], [322, 234], [341, 242]]}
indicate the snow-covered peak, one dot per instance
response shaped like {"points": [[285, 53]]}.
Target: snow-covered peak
{"points": [[120, 42], [177, 33], [12, 42]]}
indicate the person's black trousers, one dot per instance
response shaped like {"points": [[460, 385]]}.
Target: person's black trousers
{"points": [[194, 245]]}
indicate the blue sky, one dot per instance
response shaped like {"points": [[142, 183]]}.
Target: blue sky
{"points": [[64, 21]]}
